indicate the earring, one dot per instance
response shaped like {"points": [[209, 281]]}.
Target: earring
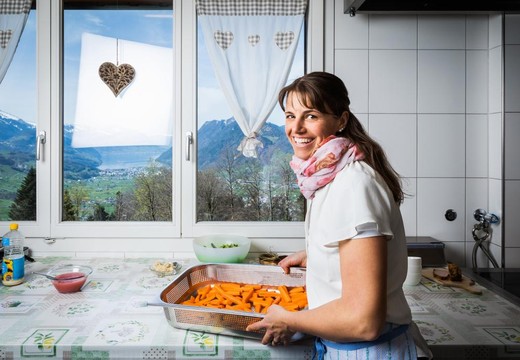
{"points": [[341, 129]]}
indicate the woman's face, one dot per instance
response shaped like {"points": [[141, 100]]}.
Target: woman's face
{"points": [[307, 128]]}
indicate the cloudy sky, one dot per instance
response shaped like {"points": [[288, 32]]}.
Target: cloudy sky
{"points": [[18, 89]]}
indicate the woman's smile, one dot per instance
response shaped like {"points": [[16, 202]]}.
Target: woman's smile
{"points": [[306, 128]]}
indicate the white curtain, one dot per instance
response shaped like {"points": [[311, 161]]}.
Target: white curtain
{"points": [[13, 16], [251, 44]]}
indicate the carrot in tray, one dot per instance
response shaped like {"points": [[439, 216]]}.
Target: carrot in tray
{"points": [[248, 297]]}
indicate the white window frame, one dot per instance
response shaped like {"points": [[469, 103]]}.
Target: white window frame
{"points": [[130, 236]]}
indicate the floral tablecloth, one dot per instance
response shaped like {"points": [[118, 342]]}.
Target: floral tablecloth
{"points": [[108, 319]]}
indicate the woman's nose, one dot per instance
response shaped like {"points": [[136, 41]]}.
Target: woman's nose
{"points": [[297, 126]]}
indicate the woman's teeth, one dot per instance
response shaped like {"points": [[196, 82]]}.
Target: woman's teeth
{"points": [[302, 140]]}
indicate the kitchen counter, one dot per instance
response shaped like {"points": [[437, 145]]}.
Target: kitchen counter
{"points": [[109, 319]]}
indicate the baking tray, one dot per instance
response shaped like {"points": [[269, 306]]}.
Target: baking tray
{"points": [[221, 321]]}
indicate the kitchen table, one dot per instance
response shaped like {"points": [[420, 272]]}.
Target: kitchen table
{"points": [[109, 319]]}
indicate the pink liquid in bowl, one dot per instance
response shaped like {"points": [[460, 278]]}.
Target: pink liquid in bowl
{"points": [[69, 282]]}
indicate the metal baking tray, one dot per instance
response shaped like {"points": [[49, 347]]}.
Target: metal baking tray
{"points": [[221, 321]]}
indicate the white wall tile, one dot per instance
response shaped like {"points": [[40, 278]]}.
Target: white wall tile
{"points": [[512, 211], [352, 67], [392, 81], [495, 146], [495, 80], [441, 81], [512, 78], [512, 29], [397, 134], [496, 252], [477, 146], [477, 81], [409, 206], [495, 31], [481, 259], [476, 198], [363, 119], [512, 258], [393, 32], [441, 145], [477, 32], [512, 146], [350, 32], [434, 198], [495, 207], [441, 32], [455, 253]]}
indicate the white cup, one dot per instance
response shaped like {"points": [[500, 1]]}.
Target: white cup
{"points": [[413, 276]]}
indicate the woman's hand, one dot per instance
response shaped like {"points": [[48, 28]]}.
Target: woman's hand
{"points": [[276, 329], [296, 259]]}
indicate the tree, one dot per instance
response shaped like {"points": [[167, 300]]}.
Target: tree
{"points": [[24, 205], [100, 213], [209, 194], [69, 213], [227, 168], [153, 194], [78, 195], [252, 185]]}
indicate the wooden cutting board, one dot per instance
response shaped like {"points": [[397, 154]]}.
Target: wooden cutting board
{"points": [[466, 283]]}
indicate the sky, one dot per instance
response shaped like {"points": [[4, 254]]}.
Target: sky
{"points": [[18, 89]]}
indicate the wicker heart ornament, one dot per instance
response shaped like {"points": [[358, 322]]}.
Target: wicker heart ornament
{"points": [[117, 77]]}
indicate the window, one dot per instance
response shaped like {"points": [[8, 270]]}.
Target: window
{"points": [[252, 48], [18, 121], [96, 180], [117, 111]]}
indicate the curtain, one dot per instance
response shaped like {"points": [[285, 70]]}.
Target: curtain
{"points": [[251, 45], [13, 16]]}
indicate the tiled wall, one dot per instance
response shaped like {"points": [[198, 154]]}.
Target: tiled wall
{"points": [[511, 140], [429, 88]]}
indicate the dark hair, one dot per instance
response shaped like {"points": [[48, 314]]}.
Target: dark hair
{"points": [[328, 94]]}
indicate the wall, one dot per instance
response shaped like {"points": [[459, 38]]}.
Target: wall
{"points": [[511, 136], [429, 89]]}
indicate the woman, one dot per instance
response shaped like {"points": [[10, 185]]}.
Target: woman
{"points": [[356, 254]]}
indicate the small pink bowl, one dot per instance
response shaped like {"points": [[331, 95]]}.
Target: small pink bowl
{"points": [[69, 278]]}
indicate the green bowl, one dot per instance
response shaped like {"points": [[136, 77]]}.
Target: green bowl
{"points": [[221, 248]]}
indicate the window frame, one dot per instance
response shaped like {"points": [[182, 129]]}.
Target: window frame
{"points": [[128, 236]]}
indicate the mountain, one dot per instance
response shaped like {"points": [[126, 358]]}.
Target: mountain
{"points": [[214, 138], [18, 149]]}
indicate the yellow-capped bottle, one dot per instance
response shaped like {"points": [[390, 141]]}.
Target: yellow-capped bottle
{"points": [[13, 263]]}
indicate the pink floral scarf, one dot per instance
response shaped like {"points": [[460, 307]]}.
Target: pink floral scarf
{"points": [[333, 154]]}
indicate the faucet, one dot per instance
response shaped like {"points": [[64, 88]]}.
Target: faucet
{"points": [[482, 232]]}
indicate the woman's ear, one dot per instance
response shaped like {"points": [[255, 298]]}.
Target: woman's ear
{"points": [[343, 121]]}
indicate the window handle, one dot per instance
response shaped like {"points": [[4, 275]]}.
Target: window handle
{"points": [[189, 141], [40, 140]]}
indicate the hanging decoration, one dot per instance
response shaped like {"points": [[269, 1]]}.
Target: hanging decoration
{"points": [[251, 45], [116, 77]]}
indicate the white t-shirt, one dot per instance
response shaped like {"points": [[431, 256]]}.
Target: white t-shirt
{"points": [[357, 200]]}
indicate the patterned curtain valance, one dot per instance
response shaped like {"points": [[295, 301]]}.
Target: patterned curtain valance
{"points": [[251, 7], [13, 16], [9, 7]]}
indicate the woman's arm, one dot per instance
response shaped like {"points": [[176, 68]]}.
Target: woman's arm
{"points": [[358, 315]]}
